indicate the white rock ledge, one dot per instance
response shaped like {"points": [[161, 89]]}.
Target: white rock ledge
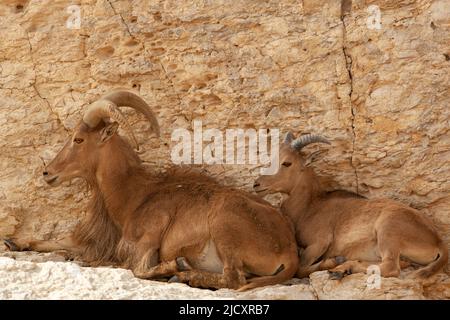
{"points": [[41, 276]]}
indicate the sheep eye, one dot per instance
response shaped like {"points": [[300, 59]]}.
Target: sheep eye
{"points": [[78, 140], [286, 164]]}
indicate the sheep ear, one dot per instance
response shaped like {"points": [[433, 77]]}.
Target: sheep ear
{"points": [[289, 137], [108, 131]]}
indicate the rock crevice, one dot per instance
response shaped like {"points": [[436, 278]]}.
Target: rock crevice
{"points": [[345, 11]]}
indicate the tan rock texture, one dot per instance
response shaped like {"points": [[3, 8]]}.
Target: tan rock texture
{"points": [[380, 91]]}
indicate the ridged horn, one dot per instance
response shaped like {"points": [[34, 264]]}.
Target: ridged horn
{"points": [[303, 141], [105, 109], [123, 98]]}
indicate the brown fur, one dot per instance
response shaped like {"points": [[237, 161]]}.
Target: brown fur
{"points": [[343, 224], [97, 233], [151, 222]]}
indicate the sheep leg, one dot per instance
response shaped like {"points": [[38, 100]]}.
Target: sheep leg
{"points": [[233, 276], [389, 251], [348, 267], [145, 260], [310, 255], [390, 266], [164, 269], [230, 278], [42, 245], [354, 266]]}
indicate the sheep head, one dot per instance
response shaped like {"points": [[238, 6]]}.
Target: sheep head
{"points": [[81, 154], [292, 165]]}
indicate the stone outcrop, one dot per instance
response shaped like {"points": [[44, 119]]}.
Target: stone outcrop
{"points": [[373, 76], [26, 275]]}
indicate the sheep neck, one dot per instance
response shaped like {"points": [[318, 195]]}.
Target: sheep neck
{"points": [[119, 180], [302, 195]]}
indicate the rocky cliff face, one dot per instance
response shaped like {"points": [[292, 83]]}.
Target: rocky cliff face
{"points": [[373, 76]]}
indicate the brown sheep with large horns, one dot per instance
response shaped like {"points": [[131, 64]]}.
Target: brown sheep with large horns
{"points": [[338, 225], [183, 224]]}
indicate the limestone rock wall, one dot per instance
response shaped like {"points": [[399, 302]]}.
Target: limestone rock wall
{"points": [[371, 75]]}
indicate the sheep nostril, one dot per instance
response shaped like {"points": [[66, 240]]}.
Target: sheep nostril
{"points": [[45, 173], [256, 184]]}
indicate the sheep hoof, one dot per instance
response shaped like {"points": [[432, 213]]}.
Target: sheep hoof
{"points": [[182, 264], [11, 245], [340, 259], [335, 275], [174, 279]]}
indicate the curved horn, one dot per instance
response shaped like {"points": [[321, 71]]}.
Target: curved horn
{"points": [[289, 137], [123, 98], [102, 109], [303, 141]]}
